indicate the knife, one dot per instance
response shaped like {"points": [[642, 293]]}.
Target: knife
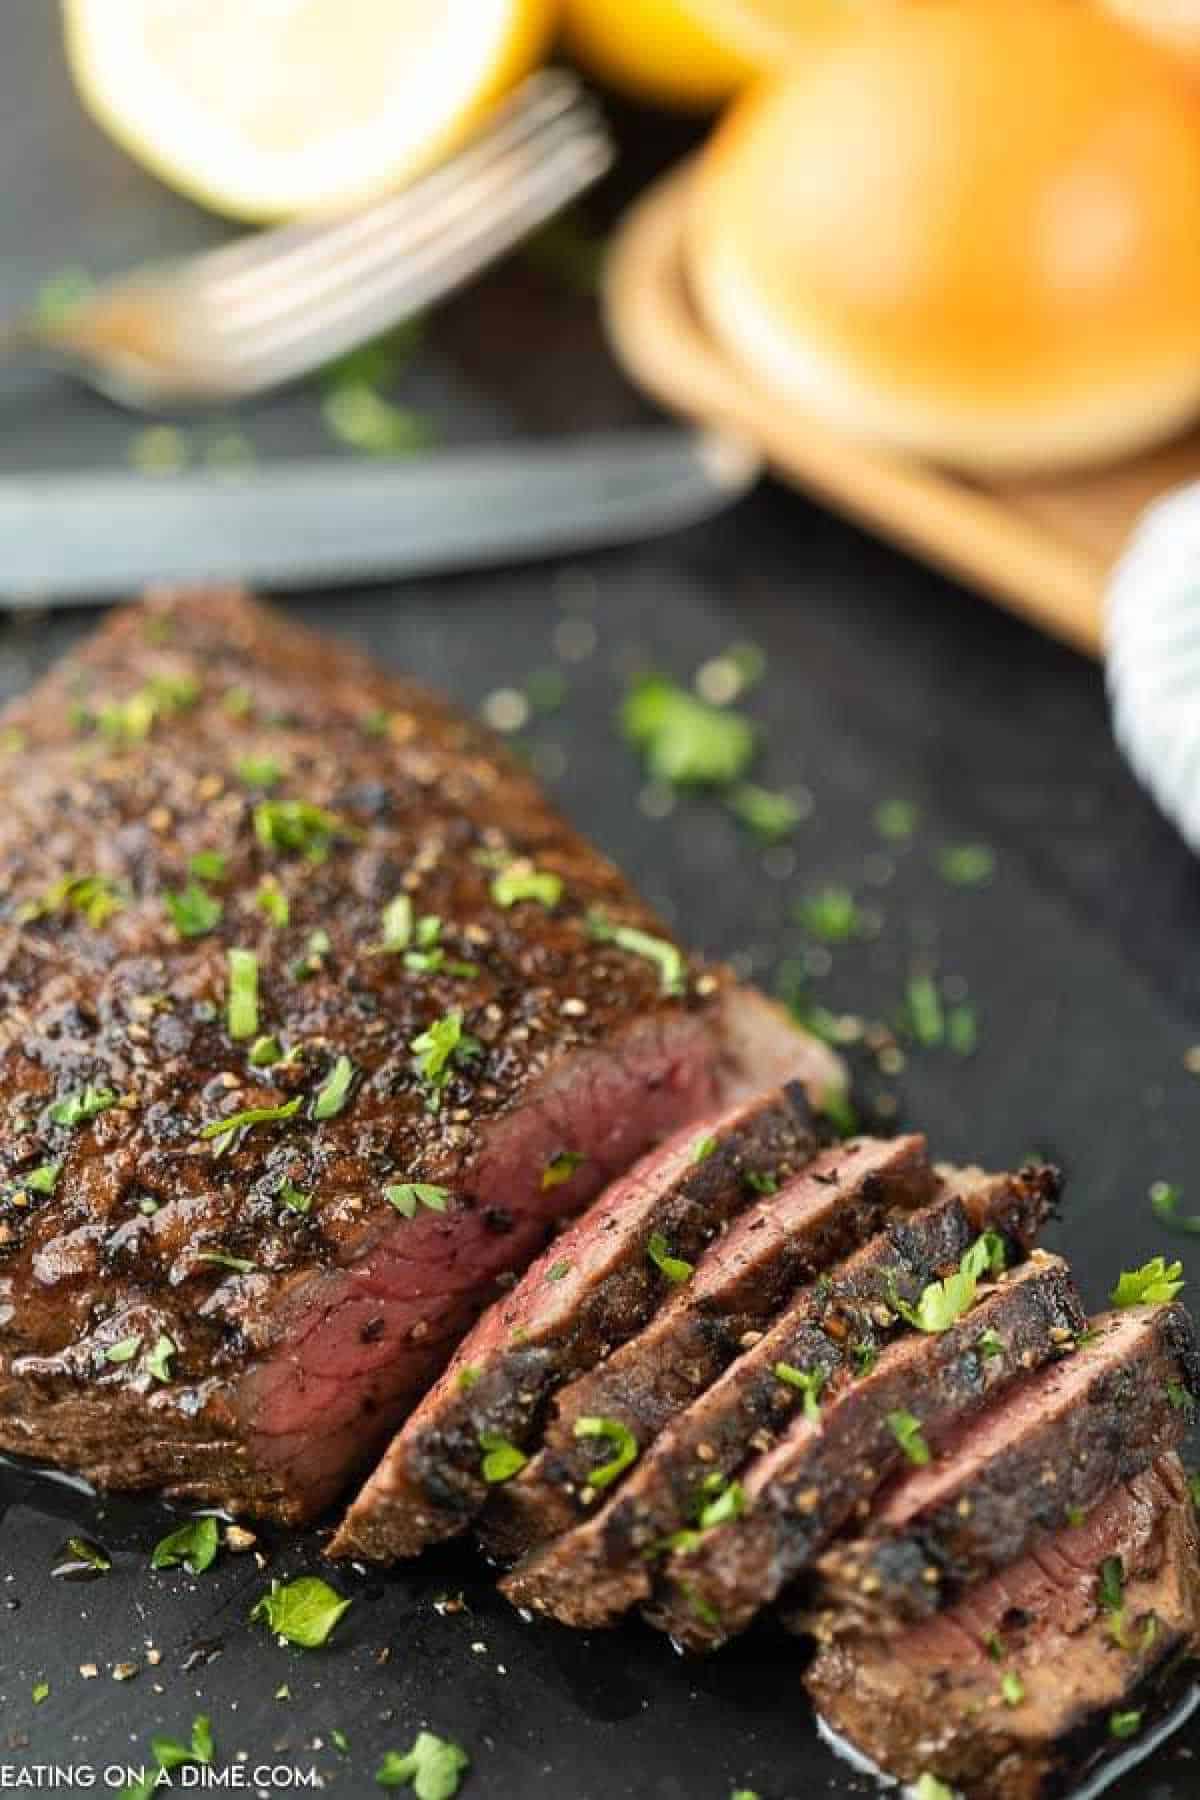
{"points": [[309, 523]]}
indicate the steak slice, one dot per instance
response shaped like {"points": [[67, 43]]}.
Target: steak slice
{"points": [[1053, 1445], [594, 1573], [825, 1470], [783, 1239], [592, 1287], [203, 1282], [1012, 1692]]}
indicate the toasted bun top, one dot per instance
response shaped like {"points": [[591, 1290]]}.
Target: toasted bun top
{"points": [[969, 229]]}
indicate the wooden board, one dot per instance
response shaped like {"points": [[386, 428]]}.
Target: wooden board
{"points": [[1043, 547]]}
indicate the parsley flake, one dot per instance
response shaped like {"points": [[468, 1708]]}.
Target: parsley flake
{"points": [[1012, 1688], [82, 1107], [769, 815], [1124, 1725], [673, 1267], [501, 1459], [292, 1197], [668, 957], [832, 914], [208, 865], [807, 1383], [297, 827], [226, 1133], [1155, 1282], [94, 897], [242, 1009], [398, 923], [437, 1048], [434, 1767], [224, 1260], [1166, 1201], [259, 771], [334, 1091], [611, 1431], [302, 1612], [703, 1148], [729, 1504], [158, 1363], [406, 1196], [124, 1350], [271, 900], [966, 865], [43, 1179], [521, 881], [561, 1167], [194, 911], [194, 1546], [685, 741], [907, 1432]]}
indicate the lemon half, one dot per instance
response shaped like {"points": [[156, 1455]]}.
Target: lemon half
{"points": [[266, 108]]}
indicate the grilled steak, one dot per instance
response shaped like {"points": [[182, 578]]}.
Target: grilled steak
{"points": [[209, 1280], [1017, 1691], [824, 1470], [600, 1569], [1051, 1448], [781, 1240], [591, 1288]]}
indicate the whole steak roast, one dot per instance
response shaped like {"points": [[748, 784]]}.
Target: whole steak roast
{"points": [[315, 1018]]}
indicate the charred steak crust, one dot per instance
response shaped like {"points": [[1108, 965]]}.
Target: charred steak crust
{"points": [[781, 1240], [824, 1471], [600, 1569], [1010, 1694], [590, 1289], [241, 1318], [1052, 1448]]}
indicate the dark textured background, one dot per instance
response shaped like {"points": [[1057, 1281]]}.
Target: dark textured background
{"points": [[884, 681]]}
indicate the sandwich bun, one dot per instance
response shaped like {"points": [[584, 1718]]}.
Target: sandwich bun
{"points": [[969, 232]]}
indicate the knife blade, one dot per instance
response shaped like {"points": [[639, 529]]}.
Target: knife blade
{"points": [[67, 538]]}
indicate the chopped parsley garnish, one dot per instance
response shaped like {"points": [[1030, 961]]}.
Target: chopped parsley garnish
{"points": [[43, 1179], [170, 1754], [243, 994], [943, 1303], [298, 827], [238, 702], [896, 820], [668, 957], [807, 1383], [761, 1184], [611, 1431], [558, 1271], [770, 816], [521, 881], [129, 721], [89, 1554], [407, 1196], [966, 865], [39, 1692], [225, 1133], [1155, 1282], [1181, 1398], [865, 1356], [673, 1267], [398, 923], [293, 1198], [194, 911], [317, 946], [223, 1260], [302, 1612], [924, 1014], [1075, 1515], [501, 1459], [124, 1350], [561, 1167], [334, 1091], [837, 1107], [272, 901], [1012, 1688], [1110, 1592], [468, 1377], [94, 897], [832, 914], [158, 1363], [434, 1767], [194, 1546], [703, 1148], [364, 420], [438, 1047], [259, 771], [729, 1504], [1124, 1724], [930, 1788], [989, 1343], [683, 740], [1166, 1201], [208, 865], [82, 1107], [907, 1432], [962, 1030], [264, 1053]]}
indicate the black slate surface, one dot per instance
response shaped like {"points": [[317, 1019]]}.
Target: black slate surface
{"points": [[883, 682]]}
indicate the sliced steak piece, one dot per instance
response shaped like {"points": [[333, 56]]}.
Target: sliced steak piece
{"points": [[1050, 1448], [1011, 1693], [203, 1282], [783, 1239], [825, 1470], [593, 1287], [597, 1571]]}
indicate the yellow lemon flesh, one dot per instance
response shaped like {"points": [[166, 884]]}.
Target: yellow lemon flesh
{"points": [[266, 108], [691, 53]]}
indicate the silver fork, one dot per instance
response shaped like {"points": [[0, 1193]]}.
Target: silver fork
{"points": [[272, 305]]}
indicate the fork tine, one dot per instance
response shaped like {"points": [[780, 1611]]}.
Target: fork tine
{"points": [[301, 341], [316, 283], [275, 254]]}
